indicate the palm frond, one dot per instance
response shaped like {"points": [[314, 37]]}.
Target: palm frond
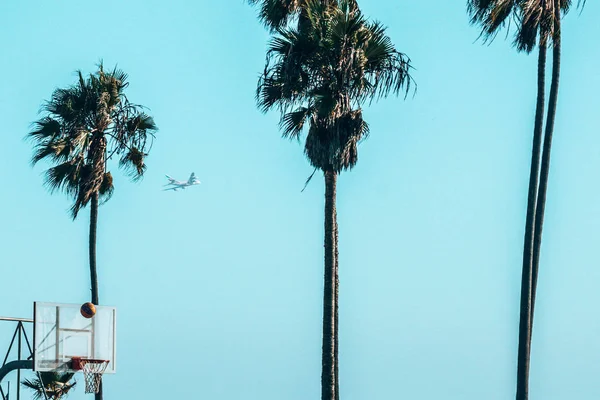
{"points": [[308, 180], [64, 177], [490, 14], [46, 129], [84, 190], [536, 19], [36, 386], [59, 150], [271, 92], [293, 122], [275, 14], [141, 123], [386, 69], [132, 161], [106, 188], [121, 77]]}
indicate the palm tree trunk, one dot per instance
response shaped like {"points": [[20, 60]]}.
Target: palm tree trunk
{"points": [[525, 320], [545, 171], [336, 310], [93, 273], [541, 81], [93, 226], [98, 396], [328, 351]]}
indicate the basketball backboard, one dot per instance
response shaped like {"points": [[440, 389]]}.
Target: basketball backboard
{"points": [[60, 333]]}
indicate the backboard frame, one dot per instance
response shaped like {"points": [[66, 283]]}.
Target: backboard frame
{"points": [[101, 343]]}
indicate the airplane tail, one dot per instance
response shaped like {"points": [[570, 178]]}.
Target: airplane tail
{"points": [[192, 179]]}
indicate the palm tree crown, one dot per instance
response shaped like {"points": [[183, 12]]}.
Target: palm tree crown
{"points": [[535, 20], [276, 14], [54, 385], [324, 73], [86, 125]]}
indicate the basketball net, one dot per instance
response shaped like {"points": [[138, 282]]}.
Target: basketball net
{"points": [[92, 372]]}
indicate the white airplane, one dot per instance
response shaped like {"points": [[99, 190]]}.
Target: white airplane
{"points": [[181, 184]]}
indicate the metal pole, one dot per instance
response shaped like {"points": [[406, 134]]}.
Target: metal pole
{"points": [[20, 329], [93, 338], [11, 366], [57, 356], [34, 341], [16, 319]]}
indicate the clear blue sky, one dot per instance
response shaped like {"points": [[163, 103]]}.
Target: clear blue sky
{"points": [[219, 288]]}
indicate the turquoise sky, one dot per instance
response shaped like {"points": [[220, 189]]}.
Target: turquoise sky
{"points": [[219, 288]]}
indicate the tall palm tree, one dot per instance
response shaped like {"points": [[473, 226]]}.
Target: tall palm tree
{"points": [[85, 126], [276, 14], [318, 75], [537, 25], [50, 385]]}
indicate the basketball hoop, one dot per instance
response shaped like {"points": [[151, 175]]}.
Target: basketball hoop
{"points": [[92, 371]]}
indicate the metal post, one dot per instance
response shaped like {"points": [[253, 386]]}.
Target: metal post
{"points": [[32, 356], [114, 340], [16, 319], [57, 333], [19, 329], [92, 338], [11, 366]]}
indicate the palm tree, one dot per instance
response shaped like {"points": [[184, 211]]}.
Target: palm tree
{"points": [[277, 14], [537, 24], [85, 126], [50, 385], [318, 75]]}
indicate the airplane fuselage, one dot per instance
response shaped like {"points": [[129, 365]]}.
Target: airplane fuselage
{"points": [[182, 184]]}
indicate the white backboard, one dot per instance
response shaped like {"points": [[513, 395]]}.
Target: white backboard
{"points": [[60, 332]]}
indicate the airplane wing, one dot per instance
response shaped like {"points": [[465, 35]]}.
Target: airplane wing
{"points": [[172, 188], [171, 180]]}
